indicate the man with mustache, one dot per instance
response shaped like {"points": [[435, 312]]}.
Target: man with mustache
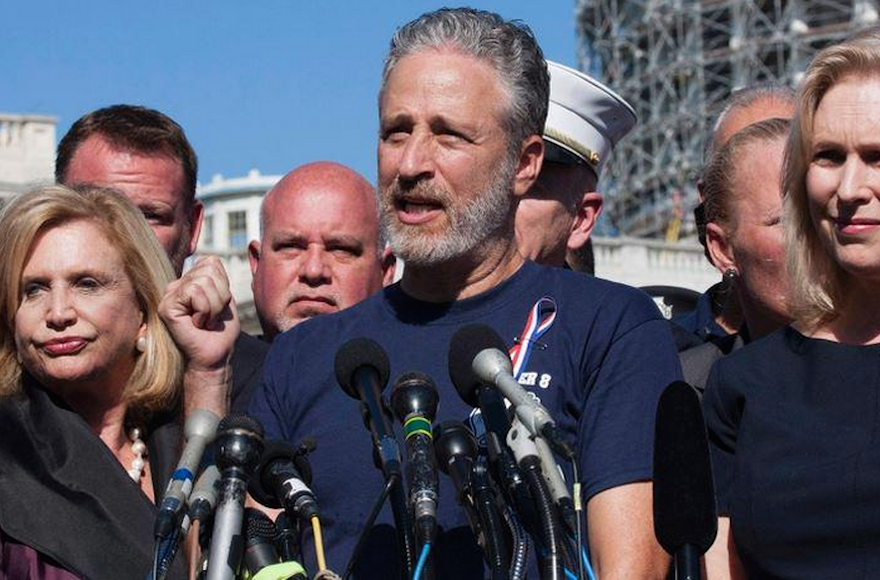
{"points": [[462, 107], [320, 249]]}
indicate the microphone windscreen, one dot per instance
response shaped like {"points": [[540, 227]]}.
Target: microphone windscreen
{"points": [[243, 422], [684, 494], [259, 548], [465, 345], [258, 527], [358, 353]]}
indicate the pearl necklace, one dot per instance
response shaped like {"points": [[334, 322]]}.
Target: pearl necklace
{"points": [[138, 447]]}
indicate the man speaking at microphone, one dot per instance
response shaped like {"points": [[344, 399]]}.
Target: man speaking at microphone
{"points": [[462, 106]]}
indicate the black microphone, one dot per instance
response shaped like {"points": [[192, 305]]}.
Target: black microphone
{"points": [[261, 559], [198, 430], [456, 450], [473, 390], [239, 444], [457, 456], [287, 537], [259, 541], [282, 479], [362, 370], [414, 400], [685, 520]]}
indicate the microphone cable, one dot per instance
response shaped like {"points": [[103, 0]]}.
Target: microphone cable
{"points": [[377, 507], [154, 573], [490, 518], [423, 558], [163, 554], [583, 563], [520, 552], [319, 543], [552, 567]]}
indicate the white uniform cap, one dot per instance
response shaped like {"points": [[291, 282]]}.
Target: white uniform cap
{"points": [[585, 117]]}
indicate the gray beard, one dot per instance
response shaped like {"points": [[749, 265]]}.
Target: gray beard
{"points": [[469, 226]]}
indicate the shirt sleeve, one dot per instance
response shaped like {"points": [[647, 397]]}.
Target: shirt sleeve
{"points": [[616, 430], [722, 422]]}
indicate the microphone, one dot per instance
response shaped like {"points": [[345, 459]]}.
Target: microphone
{"points": [[491, 364], [685, 520], [203, 498], [476, 392], [259, 541], [239, 445], [362, 370], [287, 537], [526, 450], [282, 480], [456, 450], [457, 454], [414, 400], [472, 389], [198, 431], [261, 561]]}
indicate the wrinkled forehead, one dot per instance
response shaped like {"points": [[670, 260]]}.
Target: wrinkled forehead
{"points": [[322, 211]]}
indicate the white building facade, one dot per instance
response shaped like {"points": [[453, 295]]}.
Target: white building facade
{"points": [[27, 153], [232, 220]]}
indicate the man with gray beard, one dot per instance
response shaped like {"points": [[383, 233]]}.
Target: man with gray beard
{"points": [[461, 108]]}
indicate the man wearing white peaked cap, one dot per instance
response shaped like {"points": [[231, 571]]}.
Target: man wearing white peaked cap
{"points": [[585, 121]]}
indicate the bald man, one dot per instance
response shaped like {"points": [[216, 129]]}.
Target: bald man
{"points": [[320, 250]]}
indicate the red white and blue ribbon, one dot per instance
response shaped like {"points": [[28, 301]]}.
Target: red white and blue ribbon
{"points": [[541, 318]]}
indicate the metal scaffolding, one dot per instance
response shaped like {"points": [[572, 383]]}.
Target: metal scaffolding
{"points": [[676, 61]]}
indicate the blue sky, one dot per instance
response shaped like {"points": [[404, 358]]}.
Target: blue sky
{"points": [[269, 84]]}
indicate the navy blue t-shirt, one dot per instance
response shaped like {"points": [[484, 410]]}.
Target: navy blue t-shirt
{"points": [[794, 432], [599, 369]]}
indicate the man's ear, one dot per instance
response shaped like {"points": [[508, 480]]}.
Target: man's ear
{"points": [[254, 256], [531, 157], [196, 215], [389, 266], [586, 214], [720, 248]]}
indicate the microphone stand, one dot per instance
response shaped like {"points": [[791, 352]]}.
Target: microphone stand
{"points": [[687, 563], [377, 507], [403, 527], [388, 454], [497, 554]]}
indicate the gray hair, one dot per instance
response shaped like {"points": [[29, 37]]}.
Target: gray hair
{"points": [[745, 98], [508, 46]]}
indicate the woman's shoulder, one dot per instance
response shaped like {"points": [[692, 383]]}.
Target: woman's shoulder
{"points": [[773, 359], [766, 351]]}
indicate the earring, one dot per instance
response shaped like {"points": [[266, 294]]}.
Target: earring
{"points": [[730, 275], [141, 344]]}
